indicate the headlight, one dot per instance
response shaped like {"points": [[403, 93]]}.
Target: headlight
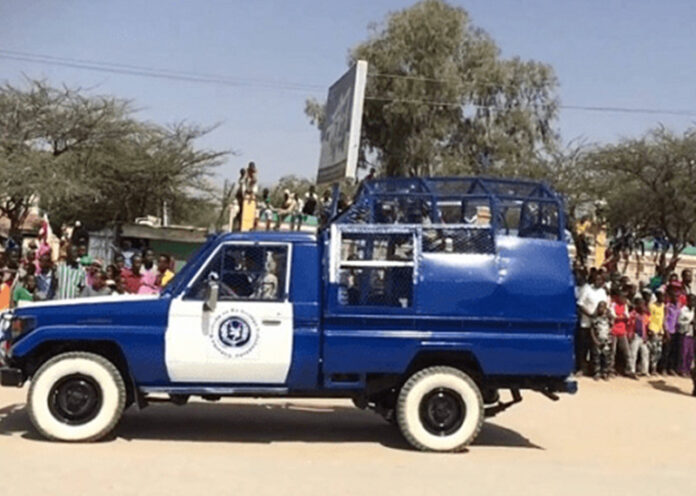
{"points": [[5, 324], [11, 326]]}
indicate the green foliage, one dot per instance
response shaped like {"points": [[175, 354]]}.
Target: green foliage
{"points": [[649, 184], [87, 157], [441, 100]]}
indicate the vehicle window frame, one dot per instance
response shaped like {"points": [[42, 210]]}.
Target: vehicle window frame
{"points": [[338, 263], [270, 244]]}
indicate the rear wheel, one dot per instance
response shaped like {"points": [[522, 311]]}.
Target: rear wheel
{"points": [[76, 396], [440, 409]]}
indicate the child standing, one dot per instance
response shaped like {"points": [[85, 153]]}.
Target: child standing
{"points": [[619, 339], [638, 338], [656, 330], [670, 343], [601, 345]]}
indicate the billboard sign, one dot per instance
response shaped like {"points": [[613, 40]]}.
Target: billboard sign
{"points": [[340, 132]]}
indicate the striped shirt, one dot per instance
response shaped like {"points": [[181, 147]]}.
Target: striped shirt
{"points": [[70, 281]]}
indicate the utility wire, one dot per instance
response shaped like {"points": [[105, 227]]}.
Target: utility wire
{"points": [[156, 70], [172, 75], [134, 70], [439, 103]]}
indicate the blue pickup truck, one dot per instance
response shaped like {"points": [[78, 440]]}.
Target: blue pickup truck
{"points": [[420, 301]]}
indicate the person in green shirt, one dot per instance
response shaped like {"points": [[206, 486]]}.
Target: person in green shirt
{"points": [[24, 291], [85, 258]]}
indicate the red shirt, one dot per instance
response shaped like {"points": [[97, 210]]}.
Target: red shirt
{"points": [[620, 319], [131, 281]]}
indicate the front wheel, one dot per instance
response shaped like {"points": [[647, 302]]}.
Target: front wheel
{"points": [[440, 409], [76, 397]]}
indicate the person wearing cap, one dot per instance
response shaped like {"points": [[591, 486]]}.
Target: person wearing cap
{"points": [[79, 235], [648, 296]]}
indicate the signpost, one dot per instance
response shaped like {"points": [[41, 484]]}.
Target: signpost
{"points": [[340, 133]]}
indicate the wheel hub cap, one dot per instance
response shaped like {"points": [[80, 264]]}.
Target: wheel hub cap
{"points": [[75, 399], [442, 411]]}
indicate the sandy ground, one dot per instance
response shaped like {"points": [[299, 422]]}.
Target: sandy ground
{"points": [[622, 437]]}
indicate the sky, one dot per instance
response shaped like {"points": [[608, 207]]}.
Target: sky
{"points": [[634, 54]]}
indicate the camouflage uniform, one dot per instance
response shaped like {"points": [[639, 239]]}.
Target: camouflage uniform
{"points": [[655, 347], [602, 362]]}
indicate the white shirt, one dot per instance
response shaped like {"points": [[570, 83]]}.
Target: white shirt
{"points": [[686, 317], [588, 301]]}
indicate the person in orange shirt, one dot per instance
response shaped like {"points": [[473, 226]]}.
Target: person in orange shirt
{"points": [[6, 276]]}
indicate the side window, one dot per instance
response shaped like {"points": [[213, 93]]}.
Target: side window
{"points": [[540, 219], [461, 239], [246, 272], [376, 270]]}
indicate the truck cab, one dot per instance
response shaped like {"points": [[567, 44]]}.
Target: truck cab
{"points": [[420, 301]]}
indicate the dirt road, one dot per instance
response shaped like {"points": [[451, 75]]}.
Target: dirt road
{"points": [[623, 437]]}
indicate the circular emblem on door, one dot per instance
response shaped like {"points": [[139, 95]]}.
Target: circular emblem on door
{"points": [[234, 333]]}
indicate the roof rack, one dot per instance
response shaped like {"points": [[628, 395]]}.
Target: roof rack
{"points": [[444, 200]]}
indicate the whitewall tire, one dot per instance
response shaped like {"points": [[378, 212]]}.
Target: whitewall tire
{"points": [[440, 409], [76, 397]]}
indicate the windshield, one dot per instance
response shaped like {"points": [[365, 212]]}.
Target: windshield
{"points": [[190, 267]]}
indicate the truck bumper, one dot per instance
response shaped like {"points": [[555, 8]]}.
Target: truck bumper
{"points": [[11, 377]]}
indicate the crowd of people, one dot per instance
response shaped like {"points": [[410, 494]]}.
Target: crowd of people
{"points": [[34, 275], [294, 208], [638, 329]]}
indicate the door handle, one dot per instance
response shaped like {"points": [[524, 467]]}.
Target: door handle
{"points": [[271, 322]]}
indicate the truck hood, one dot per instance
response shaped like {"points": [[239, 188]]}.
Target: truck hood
{"points": [[122, 310]]}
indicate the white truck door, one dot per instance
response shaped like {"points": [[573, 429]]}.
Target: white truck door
{"points": [[248, 337]]}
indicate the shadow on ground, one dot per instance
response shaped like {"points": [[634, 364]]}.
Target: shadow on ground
{"points": [[661, 385], [258, 423]]}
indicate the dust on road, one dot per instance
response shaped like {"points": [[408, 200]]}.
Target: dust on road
{"points": [[622, 437]]}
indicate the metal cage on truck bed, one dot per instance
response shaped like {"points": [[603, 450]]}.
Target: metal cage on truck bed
{"points": [[457, 247], [513, 207]]}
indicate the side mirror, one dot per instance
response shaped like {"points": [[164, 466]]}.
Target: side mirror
{"points": [[212, 293]]}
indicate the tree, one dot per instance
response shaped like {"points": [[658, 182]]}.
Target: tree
{"points": [[649, 185], [440, 99], [42, 132], [86, 157], [138, 174]]}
